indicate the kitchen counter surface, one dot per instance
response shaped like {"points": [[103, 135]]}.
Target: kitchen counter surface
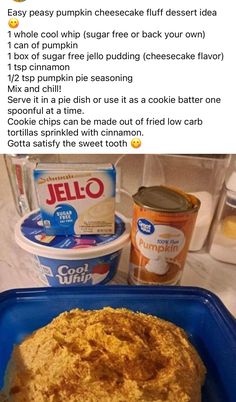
{"points": [[17, 266]]}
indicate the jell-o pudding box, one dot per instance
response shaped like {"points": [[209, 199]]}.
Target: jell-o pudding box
{"points": [[76, 198]]}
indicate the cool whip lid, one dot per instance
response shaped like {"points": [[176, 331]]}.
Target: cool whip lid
{"points": [[30, 236]]}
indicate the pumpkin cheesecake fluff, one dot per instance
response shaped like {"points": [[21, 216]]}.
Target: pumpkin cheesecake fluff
{"points": [[108, 355]]}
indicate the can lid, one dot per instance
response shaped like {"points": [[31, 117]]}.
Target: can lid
{"points": [[162, 198], [30, 236]]}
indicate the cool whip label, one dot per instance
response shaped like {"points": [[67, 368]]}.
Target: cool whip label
{"points": [[72, 273], [76, 199], [69, 276]]}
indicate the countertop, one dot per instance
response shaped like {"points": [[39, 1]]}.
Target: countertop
{"points": [[17, 266]]}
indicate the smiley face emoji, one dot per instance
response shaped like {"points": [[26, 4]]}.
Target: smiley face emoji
{"points": [[136, 143], [13, 23]]}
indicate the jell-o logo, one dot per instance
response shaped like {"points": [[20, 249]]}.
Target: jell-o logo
{"points": [[60, 192]]}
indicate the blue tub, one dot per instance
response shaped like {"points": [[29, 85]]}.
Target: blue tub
{"points": [[210, 326], [75, 260]]}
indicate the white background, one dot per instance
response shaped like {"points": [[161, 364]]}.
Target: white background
{"points": [[154, 79]]}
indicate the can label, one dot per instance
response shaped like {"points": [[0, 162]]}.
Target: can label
{"points": [[159, 245]]}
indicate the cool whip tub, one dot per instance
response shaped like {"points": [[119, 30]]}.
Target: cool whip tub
{"points": [[72, 260]]}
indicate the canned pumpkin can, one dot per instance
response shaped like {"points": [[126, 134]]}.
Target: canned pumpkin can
{"points": [[163, 223]]}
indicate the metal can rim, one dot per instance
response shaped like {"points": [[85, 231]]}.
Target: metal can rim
{"points": [[194, 202]]}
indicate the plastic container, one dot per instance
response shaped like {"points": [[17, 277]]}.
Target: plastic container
{"points": [[210, 326], [18, 168], [200, 175], [223, 238], [72, 260], [20, 171]]}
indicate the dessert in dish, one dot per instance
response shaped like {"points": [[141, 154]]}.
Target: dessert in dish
{"points": [[109, 355]]}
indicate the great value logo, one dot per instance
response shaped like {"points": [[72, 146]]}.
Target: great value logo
{"points": [[145, 226]]}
